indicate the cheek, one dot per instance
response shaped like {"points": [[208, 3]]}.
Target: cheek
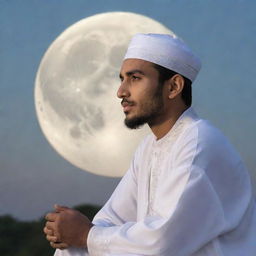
{"points": [[138, 94], [143, 91]]}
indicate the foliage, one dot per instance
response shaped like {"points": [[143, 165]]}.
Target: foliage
{"points": [[20, 238]]}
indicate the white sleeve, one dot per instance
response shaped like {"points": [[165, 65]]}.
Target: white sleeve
{"points": [[71, 252], [120, 208], [198, 217], [179, 234], [122, 205]]}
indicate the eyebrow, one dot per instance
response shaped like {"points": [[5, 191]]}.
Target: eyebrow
{"points": [[132, 72]]}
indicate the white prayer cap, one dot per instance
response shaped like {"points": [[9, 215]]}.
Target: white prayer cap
{"points": [[165, 50]]}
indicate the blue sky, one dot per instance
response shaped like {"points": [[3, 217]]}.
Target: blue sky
{"points": [[33, 175]]}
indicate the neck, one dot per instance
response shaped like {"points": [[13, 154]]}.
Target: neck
{"points": [[164, 124]]}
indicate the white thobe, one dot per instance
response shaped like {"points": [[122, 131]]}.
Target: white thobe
{"points": [[187, 194]]}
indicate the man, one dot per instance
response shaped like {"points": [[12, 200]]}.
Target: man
{"points": [[187, 193]]}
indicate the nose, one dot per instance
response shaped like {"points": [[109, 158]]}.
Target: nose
{"points": [[123, 91]]}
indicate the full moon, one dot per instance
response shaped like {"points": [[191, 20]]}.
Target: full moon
{"points": [[75, 92]]}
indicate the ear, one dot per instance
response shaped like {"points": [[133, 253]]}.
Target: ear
{"points": [[175, 86]]}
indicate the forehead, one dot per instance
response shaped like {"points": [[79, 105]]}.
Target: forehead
{"points": [[137, 64]]}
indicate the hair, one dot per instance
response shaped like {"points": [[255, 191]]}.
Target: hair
{"points": [[165, 74]]}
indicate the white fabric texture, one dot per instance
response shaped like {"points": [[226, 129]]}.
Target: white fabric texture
{"points": [[71, 252], [187, 194], [165, 50]]}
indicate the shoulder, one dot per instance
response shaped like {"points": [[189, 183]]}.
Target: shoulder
{"points": [[206, 142], [204, 133], [211, 138]]}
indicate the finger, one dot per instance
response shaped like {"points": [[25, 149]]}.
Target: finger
{"points": [[59, 245], [51, 216], [48, 231], [53, 239], [59, 208], [50, 225]]}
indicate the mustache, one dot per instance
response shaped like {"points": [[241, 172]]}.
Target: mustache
{"points": [[127, 101]]}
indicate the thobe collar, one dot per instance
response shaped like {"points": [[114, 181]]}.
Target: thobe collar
{"points": [[188, 116]]}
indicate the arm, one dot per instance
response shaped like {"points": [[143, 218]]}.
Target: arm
{"points": [[66, 228], [159, 235], [122, 205], [197, 217]]}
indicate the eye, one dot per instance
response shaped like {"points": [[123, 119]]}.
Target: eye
{"points": [[135, 77]]}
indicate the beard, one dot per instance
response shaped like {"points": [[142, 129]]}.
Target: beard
{"points": [[150, 109]]}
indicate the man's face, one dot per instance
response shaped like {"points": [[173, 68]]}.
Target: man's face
{"points": [[141, 94]]}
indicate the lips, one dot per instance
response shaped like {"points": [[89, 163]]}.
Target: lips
{"points": [[127, 105]]}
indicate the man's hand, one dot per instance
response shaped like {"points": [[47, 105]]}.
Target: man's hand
{"points": [[67, 227]]}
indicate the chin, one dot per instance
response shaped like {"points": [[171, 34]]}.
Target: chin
{"points": [[134, 122]]}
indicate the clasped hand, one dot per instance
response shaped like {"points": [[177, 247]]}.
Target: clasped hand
{"points": [[67, 227]]}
